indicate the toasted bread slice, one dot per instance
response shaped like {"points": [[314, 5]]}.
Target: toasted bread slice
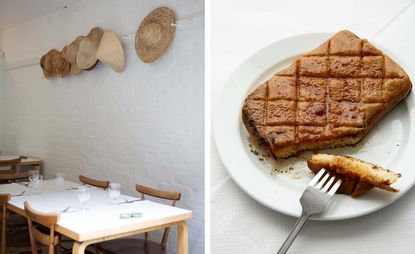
{"points": [[329, 97], [358, 176]]}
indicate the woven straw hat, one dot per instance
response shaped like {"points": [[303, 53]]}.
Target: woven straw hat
{"points": [[86, 56], [61, 66], [95, 35], [46, 64], [70, 52], [155, 34], [110, 51]]}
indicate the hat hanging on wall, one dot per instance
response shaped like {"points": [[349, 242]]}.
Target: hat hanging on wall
{"points": [[155, 34], [95, 35], [69, 52], [61, 66], [110, 51], [46, 63], [87, 50]]}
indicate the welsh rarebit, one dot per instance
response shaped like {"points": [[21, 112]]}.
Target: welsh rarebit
{"points": [[329, 97], [358, 176]]}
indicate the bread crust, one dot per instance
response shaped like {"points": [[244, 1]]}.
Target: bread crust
{"points": [[330, 97], [358, 176]]}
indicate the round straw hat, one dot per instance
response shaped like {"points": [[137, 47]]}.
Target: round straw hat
{"points": [[155, 34], [75, 69], [87, 52], [70, 52], [95, 35], [46, 64], [62, 67], [110, 51]]}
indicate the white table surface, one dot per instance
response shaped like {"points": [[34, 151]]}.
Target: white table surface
{"points": [[241, 27], [101, 215]]}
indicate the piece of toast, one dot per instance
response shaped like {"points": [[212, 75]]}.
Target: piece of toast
{"points": [[358, 176], [329, 97]]}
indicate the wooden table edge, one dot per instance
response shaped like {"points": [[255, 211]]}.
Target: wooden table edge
{"points": [[79, 247], [142, 226]]}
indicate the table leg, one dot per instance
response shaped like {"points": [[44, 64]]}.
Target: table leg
{"points": [[182, 238], [79, 248]]}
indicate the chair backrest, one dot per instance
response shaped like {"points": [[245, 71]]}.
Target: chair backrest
{"points": [[173, 196], [47, 219], [93, 182], [4, 198], [13, 177], [12, 164]]}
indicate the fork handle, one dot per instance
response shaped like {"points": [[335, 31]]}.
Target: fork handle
{"points": [[294, 232]]}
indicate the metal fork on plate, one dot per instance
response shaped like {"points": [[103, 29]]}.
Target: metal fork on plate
{"points": [[313, 201]]}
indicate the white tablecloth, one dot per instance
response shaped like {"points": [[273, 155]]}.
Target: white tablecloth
{"points": [[240, 28], [101, 216]]}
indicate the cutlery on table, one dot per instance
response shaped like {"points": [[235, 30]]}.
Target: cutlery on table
{"points": [[66, 210], [313, 201], [20, 194], [126, 201]]}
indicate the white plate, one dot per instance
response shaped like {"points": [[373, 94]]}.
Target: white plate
{"points": [[389, 144]]}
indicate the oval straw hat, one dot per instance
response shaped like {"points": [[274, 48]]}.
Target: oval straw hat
{"points": [[61, 66], [95, 35], [155, 34], [46, 64], [87, 49], [70, 52], [110, 51], [87, 52]]}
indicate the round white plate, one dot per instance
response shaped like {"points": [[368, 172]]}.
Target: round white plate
{"points": [[389, 144]]}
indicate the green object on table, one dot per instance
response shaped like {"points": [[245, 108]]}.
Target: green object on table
{"points": [[130, 215], [136, 215]]}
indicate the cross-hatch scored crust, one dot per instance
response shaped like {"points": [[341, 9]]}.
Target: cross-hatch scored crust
{"points": [[329, 97]]}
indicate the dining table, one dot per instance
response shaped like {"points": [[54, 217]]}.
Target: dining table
{"points": [[100, 218]]}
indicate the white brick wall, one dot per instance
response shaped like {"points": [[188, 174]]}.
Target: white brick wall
{"points": [[144, 125]]}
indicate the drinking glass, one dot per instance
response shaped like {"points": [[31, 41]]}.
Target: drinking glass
{"points": [[84, 193], [38, 182], [33, 175], [114, 190], [59, 179]]}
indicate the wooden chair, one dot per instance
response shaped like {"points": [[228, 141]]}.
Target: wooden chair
{"points": [[93, 182], [16, 240], [11, 164], [49, 220], [133, 245], [14, 177]]}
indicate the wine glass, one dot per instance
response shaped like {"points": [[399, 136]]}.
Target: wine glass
{"points": [[60, 178], [84, 193], [38, 182], [33, 176], [114, 190]]}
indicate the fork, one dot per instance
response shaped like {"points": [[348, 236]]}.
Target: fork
{"points": [[20, 194], [313, 201]]}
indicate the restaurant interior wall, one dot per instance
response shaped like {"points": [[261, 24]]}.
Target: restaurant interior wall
{"points": [[143, 125]]}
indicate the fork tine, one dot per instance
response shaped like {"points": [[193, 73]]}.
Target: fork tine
{"points": [[317, 177], [328, 184], [335, 187], [322, 181]]}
